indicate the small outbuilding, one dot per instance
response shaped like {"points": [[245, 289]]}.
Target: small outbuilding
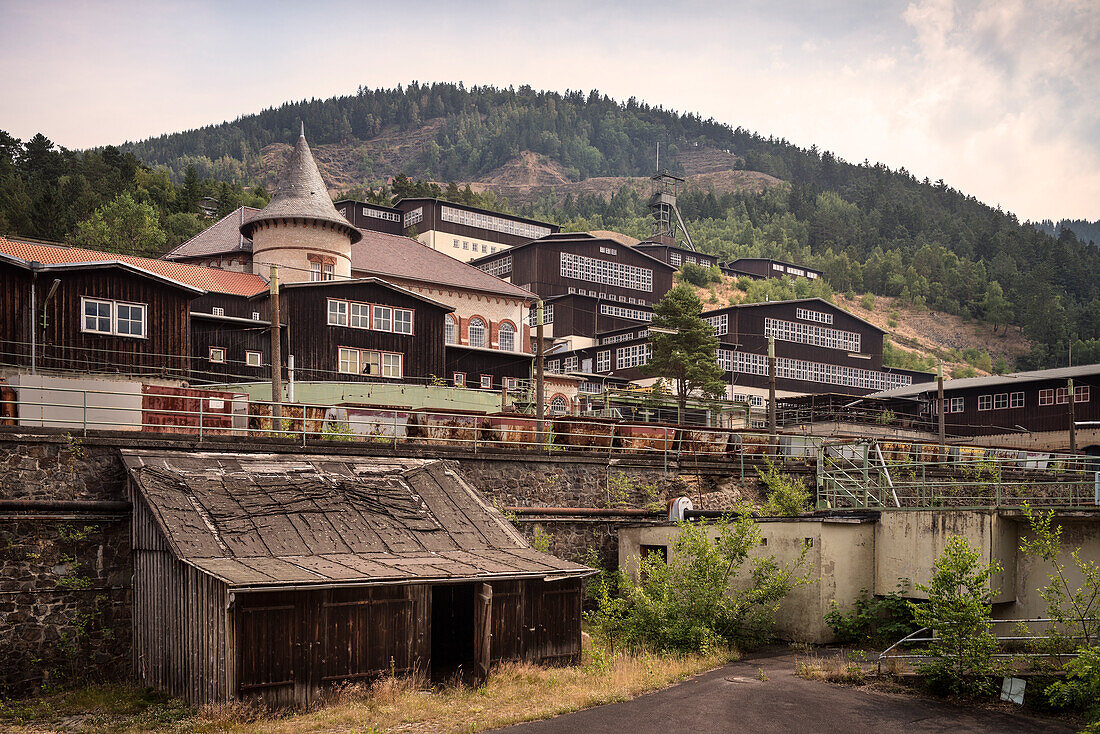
{"points": [[272, 576]]}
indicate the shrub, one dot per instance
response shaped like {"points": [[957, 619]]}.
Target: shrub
{"points": [[878, 621], [787, 495], [700, 276], [867, 303], [1081, 687], [687, 604], [958, 610]]}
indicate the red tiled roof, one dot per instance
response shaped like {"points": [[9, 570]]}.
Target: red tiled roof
{"points": [[220, 238], [393, 256], [207, 279]]}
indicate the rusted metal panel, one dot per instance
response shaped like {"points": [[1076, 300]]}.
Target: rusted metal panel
{"points": [[381, 423], [185, 410], [703, 441], [645, 437], [584, 432], [442, 428], [515, 430]]}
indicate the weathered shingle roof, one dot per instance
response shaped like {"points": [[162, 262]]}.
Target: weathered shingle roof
{"points": [[194, 276], [301, 194], [223, 237], [265, 521], [394, 256]]}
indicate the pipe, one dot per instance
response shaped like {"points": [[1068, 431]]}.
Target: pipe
{"points": [[69, 505], [584, 511]]}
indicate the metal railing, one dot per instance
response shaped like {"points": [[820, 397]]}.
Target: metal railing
{"points": [[226, 415], [894, 652], [879, 474]]}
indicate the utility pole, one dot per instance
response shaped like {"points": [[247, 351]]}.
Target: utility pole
{"points": [[1072, 420], [540, 386], [276, 354], [771, 394], [939, 407]]}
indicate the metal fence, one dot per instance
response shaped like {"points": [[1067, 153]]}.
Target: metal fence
{"points": [[879, 474]]}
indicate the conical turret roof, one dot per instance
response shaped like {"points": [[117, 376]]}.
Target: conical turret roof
{"points": [[301, 194]]}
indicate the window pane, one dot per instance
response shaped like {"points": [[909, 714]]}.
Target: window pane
{"points": [[131, 320], [97, 316], [338, 313], [449, 329], [360, 315], [403, 321], [507, 337], [349, 361], [477, 333], [391, 365], [383, 318]]}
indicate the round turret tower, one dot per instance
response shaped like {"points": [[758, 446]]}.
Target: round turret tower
{"points": [[300, 230]]}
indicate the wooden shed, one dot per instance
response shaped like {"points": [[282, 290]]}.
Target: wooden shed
{"points": [[272, 576]]}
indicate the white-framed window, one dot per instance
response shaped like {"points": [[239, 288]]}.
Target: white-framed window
{"points": [[494, 223], [1081, 394], [255, 315], [455, 245], [818, 336], [1061, 395], [955, 405], [1046, 397], [319, 271], [360, 315], [349, 361], [570, 363], [388, 216], [607, 272], [720, 323], [414, 217], [487, 382], [553, 365], [217, 354], [603, 361], [623, 312], [1016, 400], [547, 315], [1000, 401], [724, 358], [100, 316], [314, 272], [500, 267], [558, 406], [985, 402], [821, 372], [383, 318], [253, 359], [459, 379], [675, 259], [507, 337], [465, 244], [633, 356], [337, 312], [818, 316], [450, 333], [608, 251], [391, 364], [402, 321], [476, 332], [218, 311]]}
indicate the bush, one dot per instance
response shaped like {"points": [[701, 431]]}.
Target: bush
{"points": [[700, 276], [878, 621], [687, 604], [958, 610], [787, 495], [1081, 688], [867, 303]]}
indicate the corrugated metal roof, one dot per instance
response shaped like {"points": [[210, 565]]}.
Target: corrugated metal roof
{"points": [[206, 279], [962, 383], [268, 521]]}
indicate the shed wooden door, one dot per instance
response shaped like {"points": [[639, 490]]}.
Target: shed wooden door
{"points": [[271, 661], [483, 628], [554, 621]]}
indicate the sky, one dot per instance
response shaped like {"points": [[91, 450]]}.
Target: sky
{"points": [[999, 98]]}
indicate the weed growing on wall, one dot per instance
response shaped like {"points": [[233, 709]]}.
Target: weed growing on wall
{"points": [[874, 620], [786, 495]]}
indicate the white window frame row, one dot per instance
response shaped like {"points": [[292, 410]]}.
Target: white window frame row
{"points": [[635, 355], [493, 223], [500, 267], [319, 272], [594, 270], [820, 372], [370, 316], [388, 216], [623, 312], [391, 364], [603, 361], [1060, 395], [807, 315], [547, 315], [817, 336], [720, 323], [114, 318], [415, 216]]}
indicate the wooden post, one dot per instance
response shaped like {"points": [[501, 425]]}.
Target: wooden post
{"points": [[540, 386], [483, 629], [939, 409], [1072, 419], [276, 355], [772, 448]]}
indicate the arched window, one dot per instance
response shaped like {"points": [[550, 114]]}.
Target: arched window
{"points": [[558, 406], [507, 337], [477, 332], [449, 332]]}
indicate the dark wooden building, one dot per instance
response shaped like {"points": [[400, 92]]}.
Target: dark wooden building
{"points": [[585, 316], [272, 578], [760, 268], [488, 369], [998, 404], [677, 257], [582, 264], [819, 349], [467, 232], [374, 217]]}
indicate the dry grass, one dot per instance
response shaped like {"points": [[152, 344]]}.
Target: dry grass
{"points": [[840, 666], [513, 693]]}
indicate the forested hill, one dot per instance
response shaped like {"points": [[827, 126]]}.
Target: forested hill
{"points": [[870, 228]]}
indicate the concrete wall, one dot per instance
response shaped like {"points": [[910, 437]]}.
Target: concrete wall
{"points": [[839, 560], [1032, 574]]}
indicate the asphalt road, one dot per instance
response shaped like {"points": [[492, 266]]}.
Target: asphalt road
{"points": [[734, 699]]}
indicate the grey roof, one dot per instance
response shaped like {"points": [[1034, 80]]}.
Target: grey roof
{"points": [[583, 238], [1058, 373], [811, 299], [256, 521], [396, 256], [223, 237], [301, 194]]}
